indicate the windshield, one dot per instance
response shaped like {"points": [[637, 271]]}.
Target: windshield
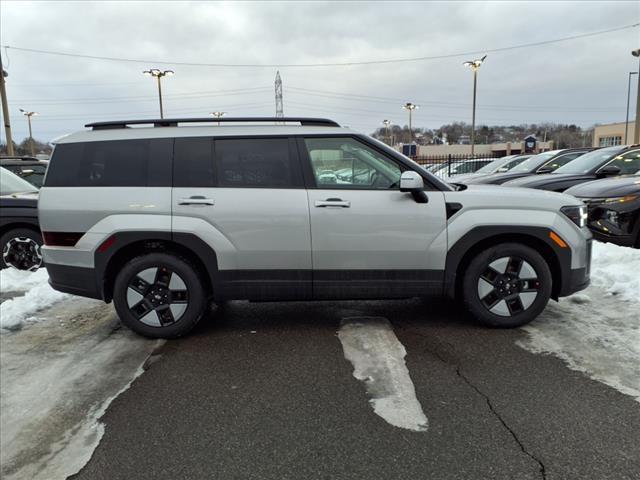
{"points": [[531, 164], [589, 161], [493, 166], [11, 183]]}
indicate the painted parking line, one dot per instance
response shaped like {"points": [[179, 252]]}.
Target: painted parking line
{"points": [[377, 355]]}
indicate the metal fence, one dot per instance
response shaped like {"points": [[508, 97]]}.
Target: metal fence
{"points": [[449, 165]]}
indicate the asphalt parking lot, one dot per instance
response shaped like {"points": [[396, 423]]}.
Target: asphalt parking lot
{"points": [[263, 391]]}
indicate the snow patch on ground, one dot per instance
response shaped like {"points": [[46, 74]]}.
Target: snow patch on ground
{"points": [[39, 295], [617, 270], [377, 355], [58, 377], [597, 331]]}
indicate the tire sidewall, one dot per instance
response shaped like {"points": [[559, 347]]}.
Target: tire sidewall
{"points": [[15, 233], [479, 264], [191, 278]]}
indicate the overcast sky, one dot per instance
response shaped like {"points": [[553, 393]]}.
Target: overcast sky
{"points": [[582, 81]]}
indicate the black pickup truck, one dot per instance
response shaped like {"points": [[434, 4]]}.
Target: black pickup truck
{"points": [[20, 237]]}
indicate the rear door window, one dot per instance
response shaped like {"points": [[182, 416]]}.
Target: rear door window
{"points": [[193, 162], [257, 163], [118, 163]]}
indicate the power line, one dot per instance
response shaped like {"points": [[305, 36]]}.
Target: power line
{"points": [[335, 64]]}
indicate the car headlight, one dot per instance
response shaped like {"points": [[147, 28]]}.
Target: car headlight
{"points": [[577, 214]]}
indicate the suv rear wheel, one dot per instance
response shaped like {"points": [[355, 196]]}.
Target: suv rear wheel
{"points": [[507, 285], [159, 295]]}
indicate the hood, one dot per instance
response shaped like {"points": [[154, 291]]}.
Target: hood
{"points": [[607, 188], [496, 178], [499, 197], [547, 180], [27, 199], [465, 177]]}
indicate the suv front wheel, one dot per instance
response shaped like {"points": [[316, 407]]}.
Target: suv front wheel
{"points": [[507, 285], [159, 295]]}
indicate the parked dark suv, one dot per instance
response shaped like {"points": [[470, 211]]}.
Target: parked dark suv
{"points": [[29, 168], [614, 209], [20, 238]]}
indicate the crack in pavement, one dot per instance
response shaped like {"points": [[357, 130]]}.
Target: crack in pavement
{"points": [[543, 471], [440, 357]]}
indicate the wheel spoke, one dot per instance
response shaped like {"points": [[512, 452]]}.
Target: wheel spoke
{"points": [[140, 285], [165, 315], [163, 277], [514, 266], [179, 296], [141, 309], [514, 305], [490, 275]]}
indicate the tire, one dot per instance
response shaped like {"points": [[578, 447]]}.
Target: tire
{"points": [[159, 295], [20, 249], [507, 285]]}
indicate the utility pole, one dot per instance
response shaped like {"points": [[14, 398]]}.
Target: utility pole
{"points": [[279, 107], [626, 122], [5, 109], [31, 142], [636, 135]]}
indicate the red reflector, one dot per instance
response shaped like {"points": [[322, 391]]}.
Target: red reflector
{"points": [[61, 239], [107, 244]]}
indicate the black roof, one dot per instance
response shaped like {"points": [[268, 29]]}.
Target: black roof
{"points": [[173, 122]]}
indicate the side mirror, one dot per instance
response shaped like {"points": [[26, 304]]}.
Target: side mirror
{"points": [[609, 171], [411, 181], [544, 170]]}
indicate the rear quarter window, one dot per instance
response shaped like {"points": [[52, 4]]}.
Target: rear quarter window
{"points": [[118, 163]]}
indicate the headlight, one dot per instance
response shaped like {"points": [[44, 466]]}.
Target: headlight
{"points": [[577, 214]]}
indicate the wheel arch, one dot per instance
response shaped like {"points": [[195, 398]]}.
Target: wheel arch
{"points": [[6, 227], [481, 238], [131, 244]]}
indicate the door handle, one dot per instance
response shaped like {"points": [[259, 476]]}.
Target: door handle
{"points": [[333, 202], [196, 200]]}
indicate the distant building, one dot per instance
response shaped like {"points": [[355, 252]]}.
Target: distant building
{"points": [[494, 149], [612, 134]]}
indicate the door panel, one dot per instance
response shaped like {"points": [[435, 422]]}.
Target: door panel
{"points": [[369, 240]]}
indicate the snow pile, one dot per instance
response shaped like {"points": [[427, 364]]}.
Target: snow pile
{"points": [[597, 331], [39, 295], [617, 270], [377, 355]]}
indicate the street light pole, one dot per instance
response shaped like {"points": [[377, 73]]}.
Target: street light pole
{"points": [[410, 107], [636, 135], [31, 142], [5, 109], [154, 72], [218, 115], [386, 124], [626, 123], [475, 66]]}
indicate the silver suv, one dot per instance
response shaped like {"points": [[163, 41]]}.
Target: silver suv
{"points": [[172, 214]]}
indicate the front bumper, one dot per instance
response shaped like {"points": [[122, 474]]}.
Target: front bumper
{"points": [[577, 279], [79, 281]]}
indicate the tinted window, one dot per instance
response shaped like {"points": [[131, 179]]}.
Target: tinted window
{"points": [[561, 160], [628, 163], [256, 162], [193, 162], [118, 163], [11, 183], [34, 174], [348, 163]]}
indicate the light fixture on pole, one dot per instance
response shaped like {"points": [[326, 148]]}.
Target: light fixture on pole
{"points": [[158, 74], [626, 122], [218, 115], [636, 135], [410, 107], [386, 124], [475, 66], [31, 142]]}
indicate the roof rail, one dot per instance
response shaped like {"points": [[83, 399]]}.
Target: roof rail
{"points": [[173, 122]]}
